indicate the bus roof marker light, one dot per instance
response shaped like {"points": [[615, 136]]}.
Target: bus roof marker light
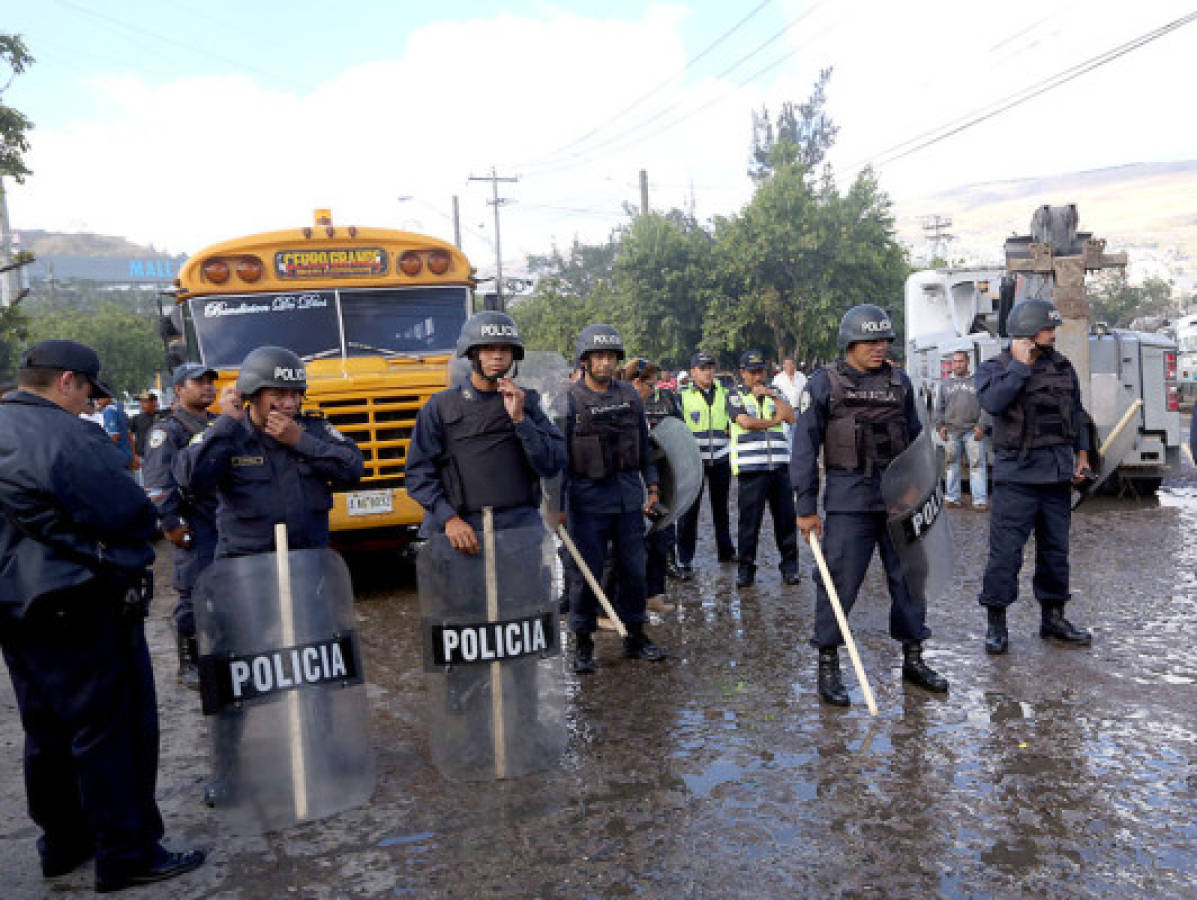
{"points": [[216, 271], [249, 268], [438, 261], [307, 231], [410, 262], [329, 230], [353, 231]]}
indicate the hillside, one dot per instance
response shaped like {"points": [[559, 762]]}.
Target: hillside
{"points": [[1147, 209], [97, 246]]}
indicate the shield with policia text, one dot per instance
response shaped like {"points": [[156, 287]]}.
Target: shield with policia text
{"points": [[914, 498], [282, 685], [679, 469], [495, 688]]}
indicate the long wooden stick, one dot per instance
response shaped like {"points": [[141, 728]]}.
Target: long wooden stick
{"points": [[497, 731], [594, 585], [1117, 429], [843, 623], [286, 604]]}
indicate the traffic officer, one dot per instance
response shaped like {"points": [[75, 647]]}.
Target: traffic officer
{"points": [[659, 546], [75, 544], [609, 469], [188, 520], [266, 462], [1041, 437], [704, 410], [861, 411], [486, 443], [760, 460]]}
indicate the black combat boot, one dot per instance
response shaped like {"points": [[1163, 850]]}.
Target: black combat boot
{"points": [[637, 645], [671, 567], [584, 654], [745, 576], [831, 685], [997, 639], [188, 661], [1054, 625], [917, 672]]}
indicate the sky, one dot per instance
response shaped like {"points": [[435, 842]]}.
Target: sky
{"points": [[186, 123]]}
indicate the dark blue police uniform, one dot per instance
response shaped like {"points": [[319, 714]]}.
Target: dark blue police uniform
{"points": [[876, 419], [175, 506], [260, 481], [1039, 424], [606, 437], [479, 457], [74, 539]]}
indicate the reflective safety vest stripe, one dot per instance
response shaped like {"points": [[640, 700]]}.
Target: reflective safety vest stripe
{"points": [[758, 451], [709, 424]]}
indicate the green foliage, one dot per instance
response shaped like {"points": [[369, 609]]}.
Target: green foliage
{"points": [[13, 124], [1115, 301], [14, 335], [802, 137]]}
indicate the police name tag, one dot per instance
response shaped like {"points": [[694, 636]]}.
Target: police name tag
{"points": [[235, 679], [487, 642], [369, 503]]}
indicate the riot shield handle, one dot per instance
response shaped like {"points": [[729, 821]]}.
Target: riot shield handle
{"points": [[286, 601], [594, 585], [842, 620]]}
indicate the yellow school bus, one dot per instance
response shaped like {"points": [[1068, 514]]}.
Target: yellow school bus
{"points": [[375, 315]]}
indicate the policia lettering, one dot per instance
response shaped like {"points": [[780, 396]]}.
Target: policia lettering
{"points": [[486, 642], [866, 423], [235, 679], [605, 437]]}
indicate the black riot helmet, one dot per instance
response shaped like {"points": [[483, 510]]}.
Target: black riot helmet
{"points": [[1030, 317], [865, 323], [599, 337], [487, 328], [271, 367]]}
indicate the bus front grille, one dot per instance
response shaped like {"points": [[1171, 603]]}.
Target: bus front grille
{"points": [[381, 427]]}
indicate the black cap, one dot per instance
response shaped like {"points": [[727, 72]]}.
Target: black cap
{"points": [[701, 358], [68, 356], [190, 370], [752, 359], [146, 395]]}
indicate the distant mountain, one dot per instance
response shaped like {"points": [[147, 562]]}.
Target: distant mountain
{"points": [[1147, 209], [100, 246], [96, 257]]}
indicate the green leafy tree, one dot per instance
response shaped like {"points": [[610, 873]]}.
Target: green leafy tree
{"points": [[13, 123], [1115, 301], [803, 134]]}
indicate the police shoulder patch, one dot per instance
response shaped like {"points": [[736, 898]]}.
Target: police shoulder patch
{"points": [[332, 431], [157, 438], [196, 439]]}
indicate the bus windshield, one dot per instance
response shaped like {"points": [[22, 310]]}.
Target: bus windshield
{"points": [[326, 324]]}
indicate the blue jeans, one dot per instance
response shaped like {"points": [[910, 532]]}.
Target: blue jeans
{"points": [[957, 446]]}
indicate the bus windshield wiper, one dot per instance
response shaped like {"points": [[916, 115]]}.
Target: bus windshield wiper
{"points": [[323, 354], [385, 351]]}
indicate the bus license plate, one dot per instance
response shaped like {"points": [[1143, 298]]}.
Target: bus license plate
{"points": [[369, 503]]}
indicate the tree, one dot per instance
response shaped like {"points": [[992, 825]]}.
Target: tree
{"points": [[804, 134], [13, 124], [1115, 301]]}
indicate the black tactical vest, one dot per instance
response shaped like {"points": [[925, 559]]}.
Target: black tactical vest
{"points": [[1042, 416], [661, 405], [606, 437], [484, 463], [866, 423]]}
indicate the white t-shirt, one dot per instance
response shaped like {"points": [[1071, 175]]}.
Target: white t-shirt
{"points": [[790, 387]]}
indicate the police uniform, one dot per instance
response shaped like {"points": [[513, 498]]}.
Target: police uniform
{"points": [[760, 461], [1038, 426], [705, 414], [74, 550], [659, 545], [861, 420]]}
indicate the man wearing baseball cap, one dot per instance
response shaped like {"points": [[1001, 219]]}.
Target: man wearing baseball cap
{"points": [[75, 548], [188, 520]]}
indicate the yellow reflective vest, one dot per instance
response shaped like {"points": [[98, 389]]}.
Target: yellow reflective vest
{"points": [[709, 424], [758, 451]]}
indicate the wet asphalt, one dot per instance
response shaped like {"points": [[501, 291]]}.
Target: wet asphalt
{"points": [[1049, 771]]}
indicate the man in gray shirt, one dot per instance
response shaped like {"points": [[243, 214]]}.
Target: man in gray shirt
{"points": [[960, 422]]}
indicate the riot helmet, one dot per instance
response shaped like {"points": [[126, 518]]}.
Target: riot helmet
{"points": [[1030, 317], [865, 323], [271, 367], [490, 328], [599, 337]]}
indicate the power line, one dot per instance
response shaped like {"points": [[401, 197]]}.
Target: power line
{"points": [[935, 135]]}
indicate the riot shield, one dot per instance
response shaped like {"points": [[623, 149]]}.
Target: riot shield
{"points": [[913, 494], [492, 656], [547, 373], [281, 681], [679, 469]]}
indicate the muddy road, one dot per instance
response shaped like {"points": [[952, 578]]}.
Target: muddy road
{"points": [[1050, 770]]}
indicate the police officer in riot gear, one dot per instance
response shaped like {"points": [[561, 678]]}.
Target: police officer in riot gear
{"points": [[75, 541], [609, 468], [1041, 437], [486, 443], [704, 410], [760, 460], [861, 411], [267, 462], [188, 520]]}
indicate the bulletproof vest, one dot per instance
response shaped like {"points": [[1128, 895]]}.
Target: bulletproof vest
{"points": [[606, 437], [866, 423], [661, 405], [1042, 416], [485, 463]]}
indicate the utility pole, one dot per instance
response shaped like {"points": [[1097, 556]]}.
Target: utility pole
{"points": [[10, 284], [498, 201], [644, 192], [937, 227], [456, 224]]}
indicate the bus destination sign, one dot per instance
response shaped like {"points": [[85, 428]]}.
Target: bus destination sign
{"points": [[316, 263]]}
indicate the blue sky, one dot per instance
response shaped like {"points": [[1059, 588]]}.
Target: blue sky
{"points": [[185, 123]]}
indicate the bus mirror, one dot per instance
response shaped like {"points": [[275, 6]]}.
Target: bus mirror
{"points": [[171, 325]]}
